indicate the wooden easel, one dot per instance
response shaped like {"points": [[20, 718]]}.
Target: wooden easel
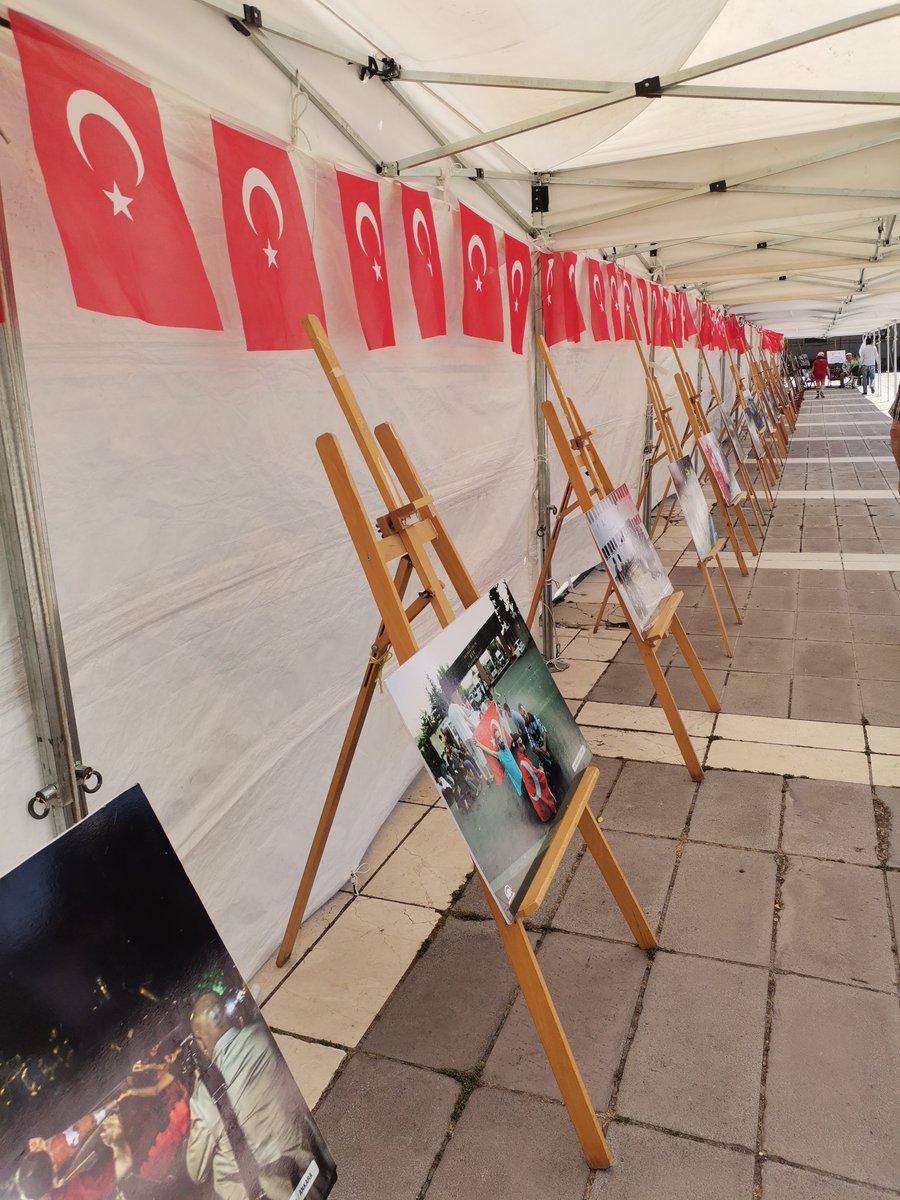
{"points": [[403, 535], [699, 425], [588, 482], [763, 465], [778, 441]]}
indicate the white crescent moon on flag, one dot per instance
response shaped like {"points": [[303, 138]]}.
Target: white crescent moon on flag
{"points": [[475, 243], [363, 214], [598, 290], [83, 104], [572, 275], [517, 272], [418, 222], [255, 178]]}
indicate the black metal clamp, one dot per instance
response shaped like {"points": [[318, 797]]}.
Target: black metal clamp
{"points": [[89, 781]]}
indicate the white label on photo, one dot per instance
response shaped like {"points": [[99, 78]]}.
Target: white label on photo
{"points": [[579, 757], [309, 1178]]}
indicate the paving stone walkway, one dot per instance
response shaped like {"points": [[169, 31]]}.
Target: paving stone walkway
{"points": [[756, 1054]]}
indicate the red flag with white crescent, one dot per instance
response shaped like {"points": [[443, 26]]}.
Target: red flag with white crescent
{"points": [[553, 298], [482, 309], [676, 319], [662, 328], [518, 280], [629, 308], [426, 279], [642, 287], [575, 325], [597, 294], [361, 211], [614, 279], [268, 241], [688, 321], [130, 249]]}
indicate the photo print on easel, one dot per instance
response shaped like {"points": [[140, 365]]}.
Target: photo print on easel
{"points": [[720, 467], [722, 425], [629, 556], [755, 427], [497, 738], [134, 1063], [693, 504]]}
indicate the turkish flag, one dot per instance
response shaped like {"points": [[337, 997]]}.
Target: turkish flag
{"points": [[425, 276], [482, 310], [643, 290], [518, 279], [130, 249], [675, 316], [553, 299], [484, 736], [597, 294], [613, 275], [268, 241], [575, 325], [361, 211], [735, 335], [662, 331], [629, 308], [688, 322]]}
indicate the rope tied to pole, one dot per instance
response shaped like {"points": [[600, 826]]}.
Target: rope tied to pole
{"points": [[379, 662]]}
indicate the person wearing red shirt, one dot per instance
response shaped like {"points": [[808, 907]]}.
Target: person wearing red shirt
{"points": [[820, 371]]}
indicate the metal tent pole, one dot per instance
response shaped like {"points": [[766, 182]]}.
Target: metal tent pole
{"points": [[24, 536], [544, 514]]}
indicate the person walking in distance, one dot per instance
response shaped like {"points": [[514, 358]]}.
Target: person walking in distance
{"points": [[895, 431], [820, 371], [868, 356]]}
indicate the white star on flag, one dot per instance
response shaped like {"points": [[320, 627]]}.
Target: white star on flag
{"points": [[119, 202], [270, 253], [376, 267], [477, 283]]}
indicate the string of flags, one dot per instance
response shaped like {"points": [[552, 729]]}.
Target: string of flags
{"points": [[131, 251]]}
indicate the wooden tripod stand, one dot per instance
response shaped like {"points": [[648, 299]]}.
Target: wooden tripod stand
{"points": [[763, 464], [411, 527], [588, 481]]}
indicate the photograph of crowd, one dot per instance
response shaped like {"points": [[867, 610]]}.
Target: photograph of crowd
{"points": [[134, 1064], [693, 504], [497, 738], [755, 427], [720, 468], [629, 556]]}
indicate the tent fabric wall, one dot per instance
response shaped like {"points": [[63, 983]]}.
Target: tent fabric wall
{"points": [[216, 620]]}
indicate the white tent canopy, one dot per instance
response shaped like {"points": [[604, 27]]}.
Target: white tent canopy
{"points": [[215, 618]]}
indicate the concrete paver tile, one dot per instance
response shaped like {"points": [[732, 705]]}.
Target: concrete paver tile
{"points": [[649, 1165], [722, 904], [757, 693], [832, 1100], [696, 1059], [426, 868], [738, 808], [595, 986], [829, 820], [834, 923], [781, 1182], [312, 1065], [384, 1122], [650, 798], [508, 1147], [838, 701]]}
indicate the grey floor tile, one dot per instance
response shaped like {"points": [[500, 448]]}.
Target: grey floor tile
{"points": [[832, 1100], [826, 660], [472, 902], [880, 701], [813, 600], [781, 1182], [834, 923], [774, 655], [508, 1147], [384, 1123], [722, 904], [684, 687], [595, 986], [768, 623], [650, 798], [757, 694], [738, 808], [430, 1019], [829, 820], [649, 1165], [882, 631], [623, 683], [877, 661], [814, 700], [879, 604], [824, 626], [696, 1060], [710, 647], [778, 598], [588, 907]]}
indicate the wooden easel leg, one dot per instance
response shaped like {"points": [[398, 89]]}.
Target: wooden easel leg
{"points": [[602, 608], [556, 1045], [727, 582], [690, 657], [669, 707], [659, 509], [615, 880], [714, 601], [745, 529], [732, 536]]}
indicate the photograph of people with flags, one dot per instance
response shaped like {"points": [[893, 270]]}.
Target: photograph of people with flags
{"points": [[497, 738]]}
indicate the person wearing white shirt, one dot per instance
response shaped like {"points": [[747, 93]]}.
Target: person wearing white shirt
{"points": [[868, 356], [462, 720]]}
